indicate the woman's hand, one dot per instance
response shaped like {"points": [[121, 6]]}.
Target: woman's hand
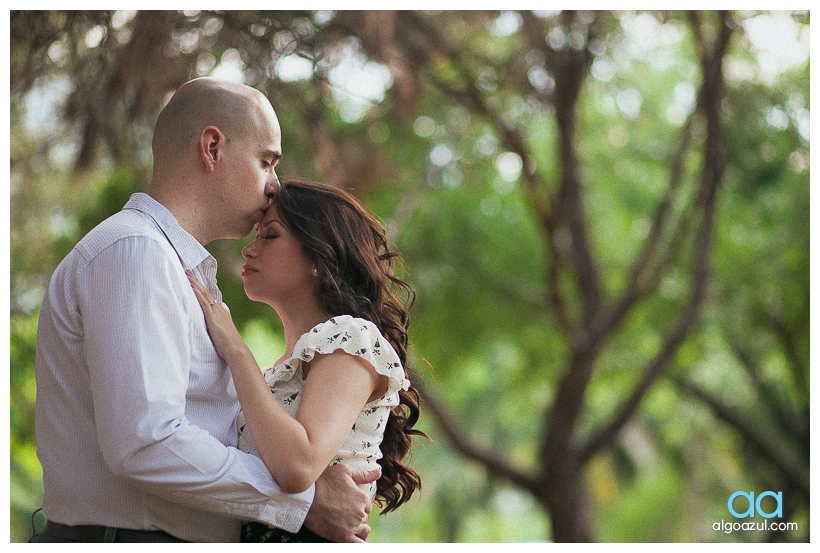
{"points": [[223, 332]]}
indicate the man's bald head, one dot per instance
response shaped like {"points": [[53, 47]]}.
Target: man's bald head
{"points": [[231, 107], [216, 146]]}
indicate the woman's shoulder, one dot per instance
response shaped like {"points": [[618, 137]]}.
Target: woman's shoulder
{"points": [[345, 332], [341, 324], [353, 336]]}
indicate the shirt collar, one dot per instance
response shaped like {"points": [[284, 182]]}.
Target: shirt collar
{"points": [[190, 251]]}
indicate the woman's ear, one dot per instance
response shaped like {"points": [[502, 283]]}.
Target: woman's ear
{"points": [[211, 142]]}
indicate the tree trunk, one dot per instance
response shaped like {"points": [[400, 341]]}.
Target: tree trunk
{"points": [[567, 504]]}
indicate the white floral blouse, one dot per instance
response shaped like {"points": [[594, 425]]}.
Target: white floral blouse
{"points": [[356, 337]]}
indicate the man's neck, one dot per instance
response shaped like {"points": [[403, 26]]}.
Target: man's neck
{"points": [[186, 212]]}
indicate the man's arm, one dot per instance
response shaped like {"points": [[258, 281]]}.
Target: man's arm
{"points": [[340, 509], [136, 318]]}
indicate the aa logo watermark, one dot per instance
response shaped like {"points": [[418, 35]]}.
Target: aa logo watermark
{"points": [[752, 507]]}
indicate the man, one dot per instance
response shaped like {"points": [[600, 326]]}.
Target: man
{"points": [[135, 411]]}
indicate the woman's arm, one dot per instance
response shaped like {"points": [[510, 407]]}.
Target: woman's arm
{"points": [[296, 451]]}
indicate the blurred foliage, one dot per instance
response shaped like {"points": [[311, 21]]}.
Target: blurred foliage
{"points": [[732, 411]]}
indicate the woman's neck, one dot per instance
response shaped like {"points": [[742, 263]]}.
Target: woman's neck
{"points": [[296, 322]]}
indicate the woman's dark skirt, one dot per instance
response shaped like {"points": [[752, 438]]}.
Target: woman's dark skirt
{"points": [[256, 532]]}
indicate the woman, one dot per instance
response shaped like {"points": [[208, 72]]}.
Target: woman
{"points": [[340, 392]]}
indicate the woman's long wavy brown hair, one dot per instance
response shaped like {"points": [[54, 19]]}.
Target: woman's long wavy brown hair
{"points": [[357, 277]]}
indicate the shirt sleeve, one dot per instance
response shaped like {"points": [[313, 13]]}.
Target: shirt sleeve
{"points": [[136, 304], [357, 337]]}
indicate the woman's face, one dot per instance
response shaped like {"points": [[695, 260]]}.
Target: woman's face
{"points": [[276, 268]]}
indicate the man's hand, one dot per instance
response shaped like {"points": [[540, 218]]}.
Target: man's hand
{"points": [[340, 508]]}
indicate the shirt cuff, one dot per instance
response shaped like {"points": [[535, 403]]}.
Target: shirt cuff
{"points": [[289, 515]]}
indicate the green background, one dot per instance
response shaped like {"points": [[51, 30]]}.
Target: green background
{"points": [[448, 126]]}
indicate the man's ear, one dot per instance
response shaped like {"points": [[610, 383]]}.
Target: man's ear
{"points": [[211, 143]]}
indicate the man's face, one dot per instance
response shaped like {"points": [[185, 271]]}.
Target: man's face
{"points": [[250, 178]]}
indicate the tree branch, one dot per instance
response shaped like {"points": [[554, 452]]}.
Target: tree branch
{"points": [[569, 68], [772, 452], [464, 92], [606, 436], [642, 285], [460, 441], [791, 350], [709, 99], [790, 423]]}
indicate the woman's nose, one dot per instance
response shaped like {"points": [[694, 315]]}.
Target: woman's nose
{"points": [[248, 251]]}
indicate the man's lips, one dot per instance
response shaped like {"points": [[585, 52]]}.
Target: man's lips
{"points": [[248, 270]]}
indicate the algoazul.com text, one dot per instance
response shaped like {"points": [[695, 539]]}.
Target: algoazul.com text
{"points": [[730, 527]]}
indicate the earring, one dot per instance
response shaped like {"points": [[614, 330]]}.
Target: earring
{"points": [[315, 272]]}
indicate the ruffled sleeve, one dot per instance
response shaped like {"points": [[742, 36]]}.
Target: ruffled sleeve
{"points": [[357, 337]]}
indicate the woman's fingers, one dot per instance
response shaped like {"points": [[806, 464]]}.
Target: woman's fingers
{"points": [[201, 293], [220, 325]]}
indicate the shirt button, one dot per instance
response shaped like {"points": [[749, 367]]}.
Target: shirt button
{"points": [[280, 519]]}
